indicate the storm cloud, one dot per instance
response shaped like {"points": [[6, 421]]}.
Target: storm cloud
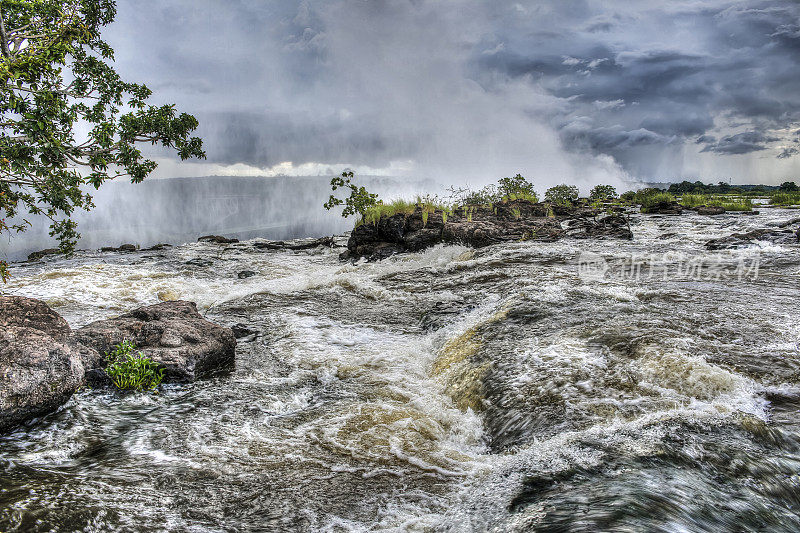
{"points": [[580, 91]]}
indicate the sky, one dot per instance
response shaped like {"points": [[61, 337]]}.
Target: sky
{"points": [[468, 91]]}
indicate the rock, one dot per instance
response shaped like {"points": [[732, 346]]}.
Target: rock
{"points": [[614, 226], [31, 313], [241, 330], [199, 262], [737, 240], [38, 374], [710, 210], [477, 226], [127, 248], [159, 246], [217, 239], [664, 208], [244, 274], [36, 256], [172, 334], [301, 244]]}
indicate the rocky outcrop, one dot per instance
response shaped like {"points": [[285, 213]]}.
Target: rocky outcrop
{"points": [[300, 244], [710, 210], [663, 208], [36, 256], [40, 364], [479, 226], [127, 248], [738, 240], [172, 334], [217, 239]]}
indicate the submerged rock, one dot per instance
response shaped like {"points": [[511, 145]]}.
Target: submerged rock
{"points": [[217, 239], [479, 226], [737, 240], [172, 334], [244, 274]]}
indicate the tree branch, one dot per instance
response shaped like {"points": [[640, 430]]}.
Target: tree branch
{"points": [[3, 37]]}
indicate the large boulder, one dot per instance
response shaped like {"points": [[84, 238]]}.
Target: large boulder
{"points": [[30, 313], [172, 334], [38, 374]]}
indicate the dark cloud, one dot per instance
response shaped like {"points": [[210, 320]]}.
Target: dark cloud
{"points": [[553, 87], [741, 143]]}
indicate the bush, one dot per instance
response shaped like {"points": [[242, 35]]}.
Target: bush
{"points": [[561, 194], [785, 198], [693, 200], [129, 371], [516, 188], [602, 192], [654, 199], [628, 197]]}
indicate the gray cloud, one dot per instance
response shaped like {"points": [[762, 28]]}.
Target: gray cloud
{"points": [[741, 143], [556, 89]]}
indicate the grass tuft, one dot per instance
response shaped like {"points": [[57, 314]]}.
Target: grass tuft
{"points": [[132, 371]]}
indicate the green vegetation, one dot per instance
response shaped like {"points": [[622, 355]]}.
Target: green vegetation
{"points": [[602, 192], [129, 371], [358, 203], [516, 188], [788, 186], [427, 204], [69, 121], [652, 199], [731, 204], [693, 200], [785, 198], [561, 194]]}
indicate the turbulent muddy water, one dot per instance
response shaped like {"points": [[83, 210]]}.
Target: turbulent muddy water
{"points": [[511, 388]]}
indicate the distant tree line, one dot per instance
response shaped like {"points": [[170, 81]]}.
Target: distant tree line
{"points": [[698, 187]]}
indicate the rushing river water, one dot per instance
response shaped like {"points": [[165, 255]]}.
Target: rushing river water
{"points": [[501, 389]]}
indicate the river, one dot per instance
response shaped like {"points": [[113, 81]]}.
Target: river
{"points": [[582, 385]]}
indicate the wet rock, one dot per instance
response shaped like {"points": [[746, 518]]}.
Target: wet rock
{"points": [[172, 334], [477, 226], [127, 248], [36, 256], [614, 226], [737, 240], [664, 208], [217, 239], [301, 244], [244, 274], [199, 262], [710, 210], [241, 331], [24, 312], [38, 374], [157, 247]]}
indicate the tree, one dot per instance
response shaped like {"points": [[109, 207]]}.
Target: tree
{"points": [[516, 187], [602, 192], [55, 80], [561, 194], [359, 201], [789, 186]]}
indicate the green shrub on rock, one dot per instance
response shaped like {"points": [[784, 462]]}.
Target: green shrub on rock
{"points": [[561, 194], [132, 371]]}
